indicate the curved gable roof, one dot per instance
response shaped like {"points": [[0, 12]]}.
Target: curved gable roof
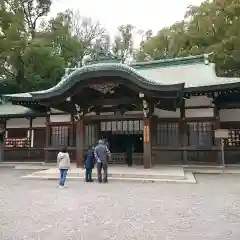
{"points": [[83, 74]]}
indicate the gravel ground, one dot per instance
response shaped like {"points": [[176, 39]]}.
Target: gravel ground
{"points": [[39, 210]]}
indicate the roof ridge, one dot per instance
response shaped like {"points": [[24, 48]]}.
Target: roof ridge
{"points": [[204, 58]]}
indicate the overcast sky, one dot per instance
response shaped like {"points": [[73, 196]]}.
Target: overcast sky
{"points": [[143, 14]]}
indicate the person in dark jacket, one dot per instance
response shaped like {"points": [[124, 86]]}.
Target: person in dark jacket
{"points": [[102, 155], [89, 162], [129, 153]]}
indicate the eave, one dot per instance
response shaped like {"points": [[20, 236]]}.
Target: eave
{"points": [[213, 88]]}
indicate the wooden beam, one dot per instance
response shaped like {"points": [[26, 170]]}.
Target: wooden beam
{"points": [[116, 108], [113, 101], [80, 143]]}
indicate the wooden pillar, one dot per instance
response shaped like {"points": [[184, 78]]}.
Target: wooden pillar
{"points": [[71, 132], [183, 131], [153, 133], [30, 135], [217, 141], [217, 117], [47, 138], [147, 143], [98, 129], [2, 139], [79, 142]]}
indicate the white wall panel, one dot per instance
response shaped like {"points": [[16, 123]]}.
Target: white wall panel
{"points": [[90, 114], [18, 123], [60, 118], [198, 101], [198, 113], [229, 115], [133, 112], [106, 113], [166, 114], [39, 122]]}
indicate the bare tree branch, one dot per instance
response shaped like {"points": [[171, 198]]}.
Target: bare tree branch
{"points": [[85, 29]]}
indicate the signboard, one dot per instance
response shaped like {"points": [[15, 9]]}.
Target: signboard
{"points": [[146, 134], [221, 133]]}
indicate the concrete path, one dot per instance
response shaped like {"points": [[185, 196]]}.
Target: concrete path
{"points": [[38, 210]]}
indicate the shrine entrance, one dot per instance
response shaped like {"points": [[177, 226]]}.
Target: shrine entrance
{"points": [[124, 137], [113, 90]]}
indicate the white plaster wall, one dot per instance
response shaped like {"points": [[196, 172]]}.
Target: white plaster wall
{"points": [[229, 115], [39, 122], [166, 114], [106, 113], [90, 114], [18, 123], [60, 118], [198, 101], [133, 112], [112, 113], [203, 112]]}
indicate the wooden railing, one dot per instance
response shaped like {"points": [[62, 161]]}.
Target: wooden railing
{"points": [[180, 156], [120, 158]]}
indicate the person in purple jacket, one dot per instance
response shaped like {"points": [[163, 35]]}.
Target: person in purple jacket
{"points": [[102, 155]]}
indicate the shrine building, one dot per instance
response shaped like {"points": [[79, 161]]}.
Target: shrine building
{"points": [[167, 110]]}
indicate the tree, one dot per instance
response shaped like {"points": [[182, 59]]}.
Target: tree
{"points": [[13, 40], [211, 27], [33, 10], [43, 68], [123, 43], [18, 26], [169, 42], [34, 58], [58, 35], [85, 29], [216, 30], [73, 35]]}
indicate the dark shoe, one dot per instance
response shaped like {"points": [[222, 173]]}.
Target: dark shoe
{"points": [[90, 180], [106, 181], [99, 181], [87, 180]]}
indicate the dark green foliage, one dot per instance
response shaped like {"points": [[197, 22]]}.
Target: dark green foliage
{"points": [[213, 27]]}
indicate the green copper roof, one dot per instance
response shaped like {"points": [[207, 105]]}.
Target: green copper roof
{"points": [[198, 75], [83, 74], [10, 110], [97, 68], [162, 75]]}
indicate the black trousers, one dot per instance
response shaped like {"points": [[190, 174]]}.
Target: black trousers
{"points": [[88, 175], [129, 161], [103, 166]]}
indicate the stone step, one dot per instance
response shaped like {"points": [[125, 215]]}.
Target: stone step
{"points": [[189, 178], [31, 167], [21, 163], [112, 174]]}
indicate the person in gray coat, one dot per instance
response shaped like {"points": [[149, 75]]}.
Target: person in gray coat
{"points": [[102, 154]]}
